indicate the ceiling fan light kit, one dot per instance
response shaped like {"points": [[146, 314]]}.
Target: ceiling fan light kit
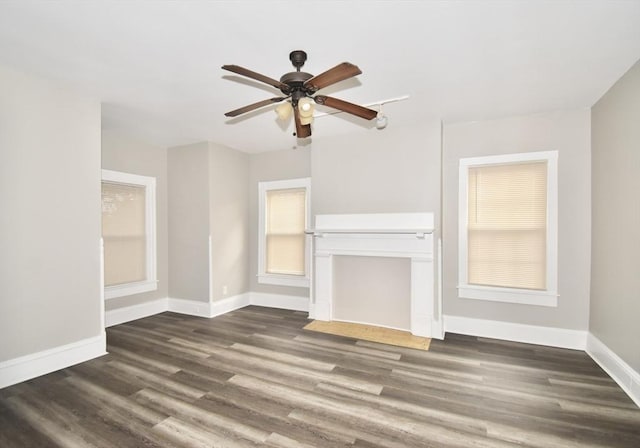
{"points": [[300, 90], [284, 111], [305, 106]]}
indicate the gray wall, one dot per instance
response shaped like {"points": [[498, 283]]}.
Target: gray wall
{"points": [[276, 165], [229, 221], [50, 217], [568, 132], [188, 216], [393, 170], [615, 271], [126, 154], [208, 196]]}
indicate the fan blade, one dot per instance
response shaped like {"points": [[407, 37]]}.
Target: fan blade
{"points": [[257, 76], [250, 107], [302, 130], [345, 106], [338, 73]]}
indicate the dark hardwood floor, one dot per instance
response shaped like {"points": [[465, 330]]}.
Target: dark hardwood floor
{"points": [[253, 377]]}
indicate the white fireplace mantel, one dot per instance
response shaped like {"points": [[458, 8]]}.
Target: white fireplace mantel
{"points": [[383, 223], [402, 235]]}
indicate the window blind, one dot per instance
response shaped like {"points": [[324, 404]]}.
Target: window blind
{"points": [[285, 226], [123, 233], [507, 225]]}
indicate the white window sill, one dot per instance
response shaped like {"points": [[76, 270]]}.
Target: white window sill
{"points": [[128, 289], [508, 295], [284, 280]]}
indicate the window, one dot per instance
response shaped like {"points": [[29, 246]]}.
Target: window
{"points": [[508, 228], [128, 233], [283, 248]]}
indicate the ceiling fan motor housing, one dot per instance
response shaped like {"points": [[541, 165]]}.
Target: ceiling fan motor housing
{"points": [[295, 81]]}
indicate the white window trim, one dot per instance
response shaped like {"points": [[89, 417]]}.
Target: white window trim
{"points": [[282, 279], [548, 297], [151, 282]]}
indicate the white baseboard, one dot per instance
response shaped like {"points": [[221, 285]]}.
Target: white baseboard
{"points": [[133, 312], [217, 308], [531, 334], [204, 309], [190, 307], [30, 366], [229, 304], [296, 303], [208, 309], [621, 372]]}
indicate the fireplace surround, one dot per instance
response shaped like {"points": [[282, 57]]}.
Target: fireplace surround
{"points": [[400, 235]]}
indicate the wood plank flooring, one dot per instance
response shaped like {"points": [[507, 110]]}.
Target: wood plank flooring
{"points": [[253, 377]]}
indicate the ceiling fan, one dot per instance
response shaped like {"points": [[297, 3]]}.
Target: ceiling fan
{"points": [[301, 88]]}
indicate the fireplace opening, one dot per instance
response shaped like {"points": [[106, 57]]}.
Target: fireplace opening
{"points": [[372, 290]]}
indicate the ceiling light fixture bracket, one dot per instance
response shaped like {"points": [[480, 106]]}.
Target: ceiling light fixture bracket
{"points": [[298, 58]]}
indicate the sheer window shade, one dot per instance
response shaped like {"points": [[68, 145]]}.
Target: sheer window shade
{"points": [[285, 226], [507, 219], [123, 233]]}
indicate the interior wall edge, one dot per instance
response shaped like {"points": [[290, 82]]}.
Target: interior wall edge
{"points": [[621, 372]]}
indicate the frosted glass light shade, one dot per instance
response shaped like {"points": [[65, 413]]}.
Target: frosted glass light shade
{"points": [[305, 107], [305, 110], [284, 110]]}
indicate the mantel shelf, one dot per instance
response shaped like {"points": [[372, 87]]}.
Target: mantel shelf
{"points": [[417, 224], [318, 232]]}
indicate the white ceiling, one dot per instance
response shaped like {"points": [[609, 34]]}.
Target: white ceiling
{"points": [[155, 65]]}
